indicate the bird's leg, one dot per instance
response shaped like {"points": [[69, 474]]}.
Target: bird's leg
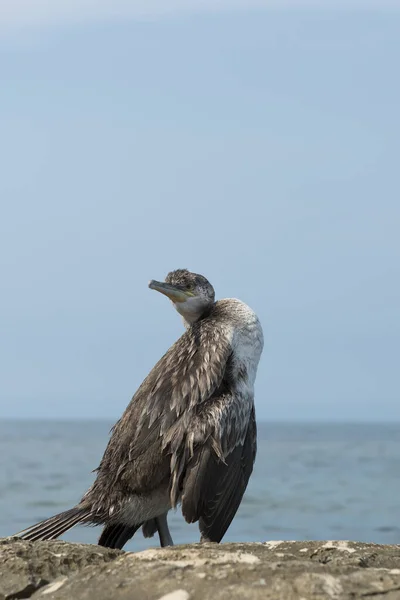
{"points": [[149, 528], [163, 531]]}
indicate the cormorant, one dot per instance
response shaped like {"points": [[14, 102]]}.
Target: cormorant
{"points": [[188, 436]]}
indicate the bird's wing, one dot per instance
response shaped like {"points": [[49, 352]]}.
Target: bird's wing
{"points": [[161, 410], [213, 488]]}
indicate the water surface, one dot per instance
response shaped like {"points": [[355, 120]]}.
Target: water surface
{"points": [[311, 481]]}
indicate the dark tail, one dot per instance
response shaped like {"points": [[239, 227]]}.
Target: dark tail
{"points": [[52, 528], [116, 535]]}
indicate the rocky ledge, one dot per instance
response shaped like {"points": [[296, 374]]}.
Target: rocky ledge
{"points": [[273, 570]]}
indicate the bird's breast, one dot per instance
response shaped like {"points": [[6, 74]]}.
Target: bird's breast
{"points": [[245, 360]]}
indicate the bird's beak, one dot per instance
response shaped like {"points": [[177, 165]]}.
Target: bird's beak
{"points": [[173, 293]]}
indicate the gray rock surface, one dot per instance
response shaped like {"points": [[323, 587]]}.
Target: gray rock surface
{"points": [[271, 571]]}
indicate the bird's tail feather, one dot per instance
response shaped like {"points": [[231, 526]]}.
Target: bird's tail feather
{"points": [[52, 528], [115, 535]]}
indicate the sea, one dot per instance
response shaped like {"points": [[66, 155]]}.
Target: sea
{"points": [[315, 481]]}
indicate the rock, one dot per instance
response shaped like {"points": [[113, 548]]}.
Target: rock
{"points": [[271, 571], [26, 567]]}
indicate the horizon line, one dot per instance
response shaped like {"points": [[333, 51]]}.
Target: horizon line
{"points": [[262, 420]]}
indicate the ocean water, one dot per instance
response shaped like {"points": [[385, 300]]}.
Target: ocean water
{"points": [[311, 481]]}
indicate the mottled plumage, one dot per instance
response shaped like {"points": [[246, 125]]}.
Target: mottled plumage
{"points": [[189, 433]]}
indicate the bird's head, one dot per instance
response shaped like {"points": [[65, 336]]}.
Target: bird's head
{"points": [[191, 294]]}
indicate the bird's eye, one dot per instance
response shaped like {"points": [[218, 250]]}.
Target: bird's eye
{"points": [[189, 286]]}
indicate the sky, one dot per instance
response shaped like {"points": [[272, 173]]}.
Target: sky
{"points": [[254, 144]]}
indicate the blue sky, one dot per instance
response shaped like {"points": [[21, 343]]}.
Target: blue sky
{"points": [[256, 146]]}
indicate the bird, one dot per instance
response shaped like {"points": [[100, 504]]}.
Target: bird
{"points": [[188, 437]]}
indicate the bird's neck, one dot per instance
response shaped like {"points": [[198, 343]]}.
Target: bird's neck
{"points": [[191, 319]]}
